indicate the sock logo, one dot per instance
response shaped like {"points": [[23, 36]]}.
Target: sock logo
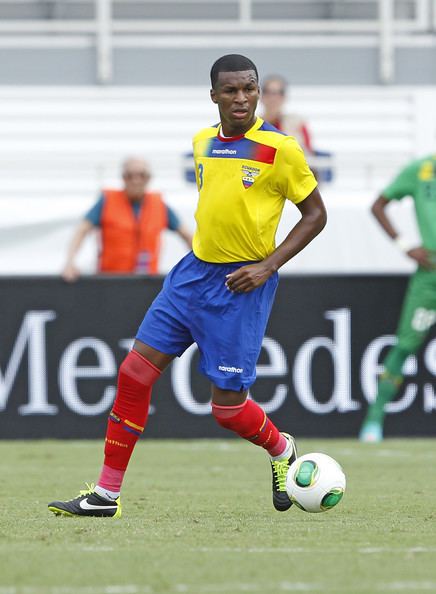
{"points": [[116, 443]]}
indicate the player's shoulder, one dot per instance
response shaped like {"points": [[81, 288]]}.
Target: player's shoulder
{"points": [[416, 163], [425, 168], [269, 135], [415, 167], [206, 133], [427, 161]]}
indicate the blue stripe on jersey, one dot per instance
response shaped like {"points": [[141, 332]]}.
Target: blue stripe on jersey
{"points": [[236, 149], [241, 149], [267, 127]]}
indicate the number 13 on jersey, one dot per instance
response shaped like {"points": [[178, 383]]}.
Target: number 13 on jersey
{"points": [[200, 170]]}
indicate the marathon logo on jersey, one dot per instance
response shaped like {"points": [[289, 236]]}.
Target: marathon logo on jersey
{"points": [[230, 369], [224, 152], [249, 175]]}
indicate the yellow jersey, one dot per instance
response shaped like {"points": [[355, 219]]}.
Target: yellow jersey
{"points": [[243, 183]]}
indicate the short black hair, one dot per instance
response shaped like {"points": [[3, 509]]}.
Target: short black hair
{"points": [[231, 63]]}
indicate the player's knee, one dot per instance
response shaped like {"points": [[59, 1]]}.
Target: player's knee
{"points": [[403, 350], [394, 362], [136, 368], [245, 419], [408, 348], [227, 416]]}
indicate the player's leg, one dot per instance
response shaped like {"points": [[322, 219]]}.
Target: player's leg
{"points": [[233, 411], [417, 316], [137, 374], [161, 336], [229, 330], [245, 417], [127, 419]]}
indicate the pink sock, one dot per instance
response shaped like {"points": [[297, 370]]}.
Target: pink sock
{"points": [[280, 447], [111, 478]]}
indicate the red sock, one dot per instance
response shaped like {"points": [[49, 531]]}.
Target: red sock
{"points": [[127, 418], [250, 422]]}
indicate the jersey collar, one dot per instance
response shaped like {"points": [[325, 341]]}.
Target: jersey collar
{"points": [[257, 124]]}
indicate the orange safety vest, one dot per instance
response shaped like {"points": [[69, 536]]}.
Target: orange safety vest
{"points": [[130, 244]]}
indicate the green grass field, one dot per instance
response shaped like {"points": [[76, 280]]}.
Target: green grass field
{"points": [[198, 518]]}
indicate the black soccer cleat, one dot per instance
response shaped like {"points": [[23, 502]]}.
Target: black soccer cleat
{"points": [[88, 503], [280, 469]]}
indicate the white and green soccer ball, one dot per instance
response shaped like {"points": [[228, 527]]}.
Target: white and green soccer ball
{"points": [[315, 482]]}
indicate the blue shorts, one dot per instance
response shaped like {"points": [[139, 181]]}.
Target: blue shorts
{"points": [[194, 305]]}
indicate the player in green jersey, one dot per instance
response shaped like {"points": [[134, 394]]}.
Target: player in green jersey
{"points": [[417, 180]]}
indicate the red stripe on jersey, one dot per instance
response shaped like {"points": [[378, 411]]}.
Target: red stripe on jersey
{"points": [[264, 153]]}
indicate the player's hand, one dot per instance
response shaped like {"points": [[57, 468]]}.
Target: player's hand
{"points": [[248, 277], [70, 273], [421, 256]]}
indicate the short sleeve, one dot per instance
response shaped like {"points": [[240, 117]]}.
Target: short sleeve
{"points": [[404, 184], [295, 179], [173, 220], [94, 214]]}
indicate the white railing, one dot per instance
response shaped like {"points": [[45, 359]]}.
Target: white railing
{"points": [[106, 32]]}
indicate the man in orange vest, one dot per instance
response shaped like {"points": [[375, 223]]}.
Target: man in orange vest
{"points": [[130, 221]]}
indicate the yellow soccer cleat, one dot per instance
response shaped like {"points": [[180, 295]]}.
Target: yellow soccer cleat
{"points": [[280, 469]]}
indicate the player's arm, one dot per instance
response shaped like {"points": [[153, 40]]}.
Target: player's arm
{"points": [[70, 272], [186, 235], [378, 210], [175, 225], [417, 253], [313, 220]]}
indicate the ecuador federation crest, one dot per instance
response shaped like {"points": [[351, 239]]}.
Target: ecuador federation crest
{"points": [[249, 175]]}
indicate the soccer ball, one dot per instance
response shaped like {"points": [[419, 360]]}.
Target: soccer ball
{"points": [[315, 482]]}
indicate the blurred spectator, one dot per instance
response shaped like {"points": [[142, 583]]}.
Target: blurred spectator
{"points": [[130, 222], [273, 101]]}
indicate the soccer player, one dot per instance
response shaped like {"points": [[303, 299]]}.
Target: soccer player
{"points": [[417, 180], [219, 295]]}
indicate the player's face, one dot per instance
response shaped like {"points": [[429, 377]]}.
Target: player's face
{"points": [[236, 95]]}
